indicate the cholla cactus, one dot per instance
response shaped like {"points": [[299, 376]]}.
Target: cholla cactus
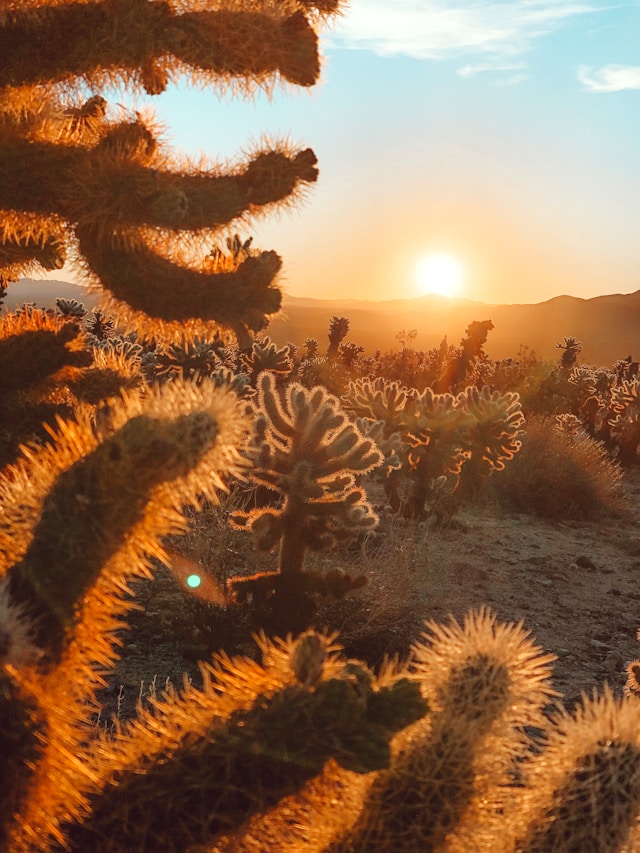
{"points": [[79, 177], [379, 400], [435, 426], [311, 347], [442, 435], [80, 518], [309, 454], [349, 354], [99, 325], [582, 792], [267, 355], [569, 424], [391, 446], [484, 683], [256, 733], [39, 352], [625, 425], [71, 308], [95, 186], [583, 384], [571, 348], [491, 435], [338, 330], [379, 406], [190, 358]]}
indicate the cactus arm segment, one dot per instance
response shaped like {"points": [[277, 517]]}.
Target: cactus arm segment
{"points": [[144, 45]]}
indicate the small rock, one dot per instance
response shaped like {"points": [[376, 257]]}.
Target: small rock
{"points": [[586, 563], [544, 581], [614, 662], [562, 653]]}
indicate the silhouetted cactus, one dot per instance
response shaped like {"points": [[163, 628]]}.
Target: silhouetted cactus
{"points": [[266, 355], [71, 308], [470, 350], [571, 348], [338, 330], [189, 359], [76, 170]]}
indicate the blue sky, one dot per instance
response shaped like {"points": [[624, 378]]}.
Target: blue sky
{"points": [[505, 134]]}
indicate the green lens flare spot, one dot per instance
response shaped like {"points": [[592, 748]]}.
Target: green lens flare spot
{"points": [[194, 581]]}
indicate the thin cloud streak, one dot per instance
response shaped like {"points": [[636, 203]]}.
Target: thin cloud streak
{"points": [[440, 29], [610, 78], [483, 67]]}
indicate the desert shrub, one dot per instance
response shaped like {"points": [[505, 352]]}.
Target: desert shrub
{"points": [[559, 476]]}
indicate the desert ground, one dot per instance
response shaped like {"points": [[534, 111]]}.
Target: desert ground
{"points": [[574, 585]]}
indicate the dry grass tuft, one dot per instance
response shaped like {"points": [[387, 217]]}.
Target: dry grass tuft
{"points": [[559, 476], [387, 615]]}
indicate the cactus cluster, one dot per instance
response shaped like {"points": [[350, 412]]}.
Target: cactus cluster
{"points": [[453, 749], [607, 402], [441, 441]]}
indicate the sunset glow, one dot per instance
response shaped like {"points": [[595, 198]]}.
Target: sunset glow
{"points": [[504, 134], [439, 273]]}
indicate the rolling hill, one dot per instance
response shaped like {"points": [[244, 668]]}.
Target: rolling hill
{"points": [[608, 326]]}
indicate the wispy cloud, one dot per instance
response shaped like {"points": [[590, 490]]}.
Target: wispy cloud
{"points": [[610, 78], [440, 29], [472, 69]]}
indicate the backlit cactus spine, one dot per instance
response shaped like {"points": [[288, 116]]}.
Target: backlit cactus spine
{"points": [[309, 453], [81, 518], [201, 763], [434, 429], [76, 177], [492, 432], [378, 406], [582, 792], [444, 789], [49, 368]]}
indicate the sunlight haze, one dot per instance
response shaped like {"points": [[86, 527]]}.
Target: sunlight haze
{"points": [[439, 273]]}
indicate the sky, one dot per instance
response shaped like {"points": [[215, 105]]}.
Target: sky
{"points": [[504, 135]]}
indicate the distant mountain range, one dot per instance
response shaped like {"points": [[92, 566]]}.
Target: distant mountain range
{"points": [[608, 326]]}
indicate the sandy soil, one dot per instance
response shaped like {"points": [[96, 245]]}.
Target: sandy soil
{"points": [[574, 585]]}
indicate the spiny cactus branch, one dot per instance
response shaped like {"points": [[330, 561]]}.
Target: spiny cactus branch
{"points": [[245, 761], [79, 502], [145, 45], [161, 290], [117, 184]]}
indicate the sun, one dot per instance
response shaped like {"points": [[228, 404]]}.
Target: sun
{"points": [[439, 273]]}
